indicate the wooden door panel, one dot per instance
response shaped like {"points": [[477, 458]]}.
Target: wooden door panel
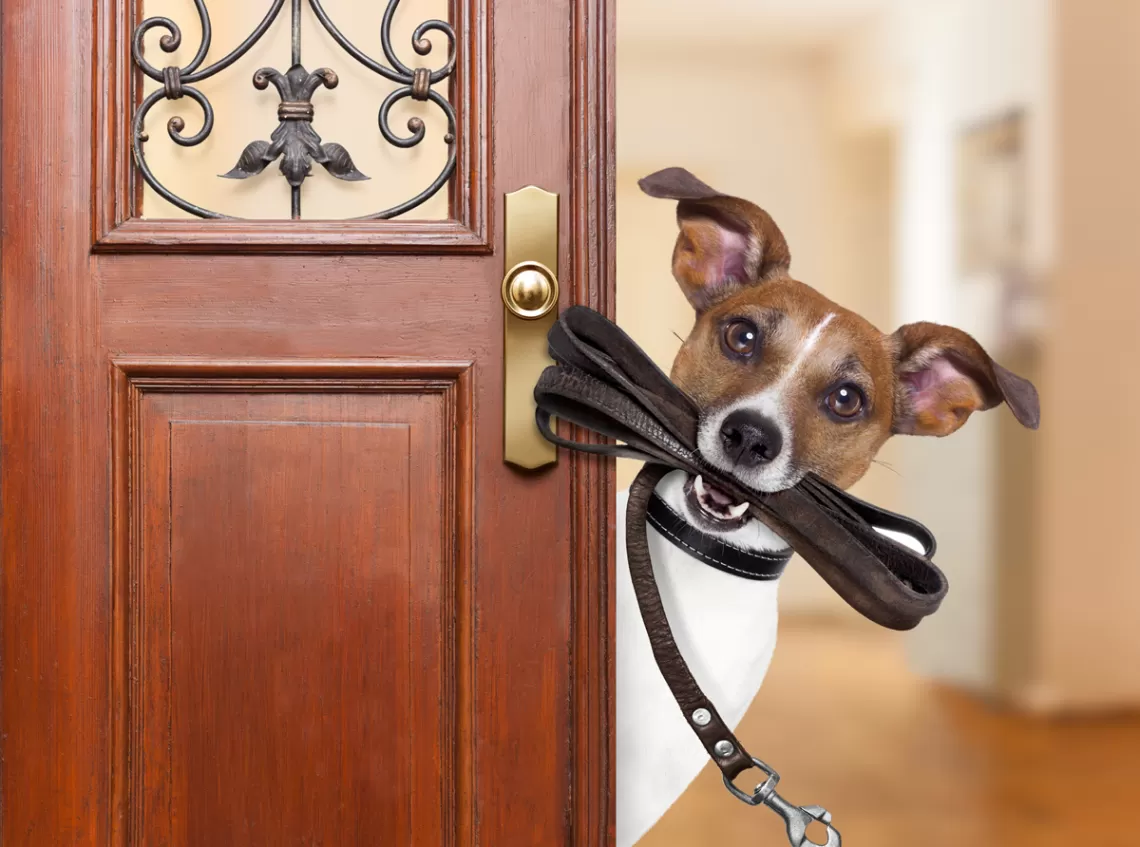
{"points": [[418, 308], [287, 714], [293, 638], [235, 465]]}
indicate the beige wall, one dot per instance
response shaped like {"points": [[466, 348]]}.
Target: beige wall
{"points": [[1033, 528], [346, 115], [763, 132], [926, 71], [1089, 587]]}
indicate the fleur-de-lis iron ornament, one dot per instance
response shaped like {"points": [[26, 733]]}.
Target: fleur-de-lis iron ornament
{"points": [[294, 141]]}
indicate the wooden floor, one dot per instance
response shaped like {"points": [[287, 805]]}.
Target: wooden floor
{"points": [[903, 764]]}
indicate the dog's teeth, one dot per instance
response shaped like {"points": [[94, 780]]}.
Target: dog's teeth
{"points": [[737, 510], [699, 485]]}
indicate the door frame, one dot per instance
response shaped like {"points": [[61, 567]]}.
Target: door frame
{"points": [[593, 267]]}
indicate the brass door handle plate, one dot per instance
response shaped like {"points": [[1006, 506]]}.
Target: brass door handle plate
{"points": [[530, 308]]}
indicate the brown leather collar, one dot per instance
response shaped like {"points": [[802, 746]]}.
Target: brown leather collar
{"points": [[713, 551]]}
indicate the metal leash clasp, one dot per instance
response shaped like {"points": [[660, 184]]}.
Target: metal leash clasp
{"points": [[797, 818]]}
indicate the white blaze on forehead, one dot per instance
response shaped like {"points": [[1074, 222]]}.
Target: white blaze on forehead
{"points": [[772, 403], [802, 354]]}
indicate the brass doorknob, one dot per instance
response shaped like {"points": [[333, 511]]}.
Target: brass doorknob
{"points": [[530, 290]]}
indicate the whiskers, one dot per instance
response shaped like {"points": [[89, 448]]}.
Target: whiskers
{"points": [[888, 466]]}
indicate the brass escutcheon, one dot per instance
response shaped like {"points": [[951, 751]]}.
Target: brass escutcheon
{"points": [[530, 308]]}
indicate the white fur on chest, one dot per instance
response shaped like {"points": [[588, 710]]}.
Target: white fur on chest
{"points": [[725, 627]]}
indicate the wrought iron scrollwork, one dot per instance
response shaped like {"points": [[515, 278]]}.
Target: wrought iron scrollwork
{"points": [[294, 141]]}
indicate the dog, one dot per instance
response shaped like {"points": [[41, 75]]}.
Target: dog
{"points": [[788, 383]]}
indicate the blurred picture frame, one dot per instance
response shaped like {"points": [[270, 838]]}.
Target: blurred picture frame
{"points": [[991, 196], [992, 226]]}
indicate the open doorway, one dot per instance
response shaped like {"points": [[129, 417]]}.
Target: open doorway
{"points": [[847, 122]]}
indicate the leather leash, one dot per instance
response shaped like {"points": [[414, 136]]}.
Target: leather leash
{"points": [[605, 383], [722, 745]]}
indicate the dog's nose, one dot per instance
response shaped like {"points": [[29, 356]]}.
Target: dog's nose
{"points": [[750, 438]]}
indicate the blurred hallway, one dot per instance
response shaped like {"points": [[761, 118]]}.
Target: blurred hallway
{"points": [[971, 163], [901, 762]]}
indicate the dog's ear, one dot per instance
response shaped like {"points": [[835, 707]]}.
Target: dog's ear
{"points": [[725, 243], [942, 375]]}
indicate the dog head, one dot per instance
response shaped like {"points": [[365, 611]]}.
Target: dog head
{"points": [[790, 382]]}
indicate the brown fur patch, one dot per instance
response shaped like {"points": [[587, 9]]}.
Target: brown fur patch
{"points": [[958, 401], [701, 266], [945, 376], [849, 347]]}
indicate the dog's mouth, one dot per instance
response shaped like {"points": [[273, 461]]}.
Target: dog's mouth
{"points": [[715, 506]]}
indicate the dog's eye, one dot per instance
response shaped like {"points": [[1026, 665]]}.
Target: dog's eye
{"points": [[846, 401], [741, 339]]}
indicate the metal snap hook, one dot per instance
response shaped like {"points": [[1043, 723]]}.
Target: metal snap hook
{"points": [[796, 818], [799, 818]]}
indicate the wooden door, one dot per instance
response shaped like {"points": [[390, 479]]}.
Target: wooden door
{"points": [[267, 579]]}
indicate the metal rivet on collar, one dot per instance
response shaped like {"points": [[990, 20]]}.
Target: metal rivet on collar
{"points": [[702, 717], [724, 749]]}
